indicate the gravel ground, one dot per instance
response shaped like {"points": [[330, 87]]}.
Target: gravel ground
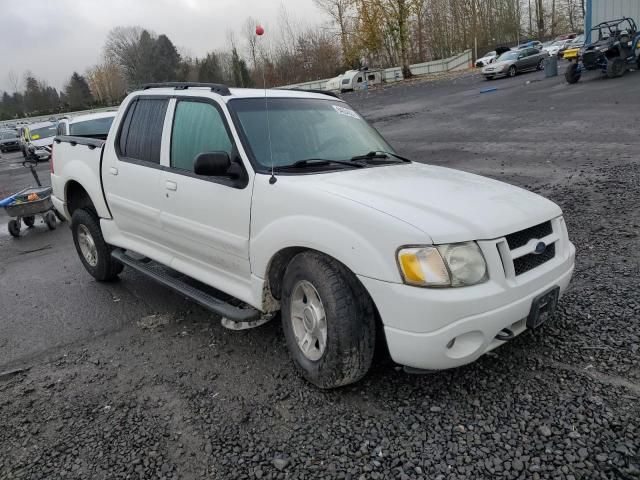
{"points": [[165, 392]]}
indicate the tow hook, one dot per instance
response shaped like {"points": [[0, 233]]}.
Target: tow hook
{"points": [[505, 335]]}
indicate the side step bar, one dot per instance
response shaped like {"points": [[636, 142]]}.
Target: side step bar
{"points": [[159, 273]]}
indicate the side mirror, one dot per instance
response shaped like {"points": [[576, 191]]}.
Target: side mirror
{"points": [[211, 164]]}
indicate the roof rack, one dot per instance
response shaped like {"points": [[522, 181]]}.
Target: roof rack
{"points": [[215, 87], [312, 90]]}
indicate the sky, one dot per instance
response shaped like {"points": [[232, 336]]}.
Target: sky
{"points": [[53, 38]]}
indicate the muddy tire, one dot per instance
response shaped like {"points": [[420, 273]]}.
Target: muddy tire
{"points": [[572, 75], [94, 252], [328, 321], [616, 68]]}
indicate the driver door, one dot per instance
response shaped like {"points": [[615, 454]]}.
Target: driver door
{"points": [[205, 219]]}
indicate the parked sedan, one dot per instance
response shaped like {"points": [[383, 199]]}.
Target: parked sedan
{"points": [[487, 59], [9, 140], [511, 63], [556, 46]]}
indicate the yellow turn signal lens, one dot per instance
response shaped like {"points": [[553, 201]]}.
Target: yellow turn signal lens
{"points": [[424, 267]]}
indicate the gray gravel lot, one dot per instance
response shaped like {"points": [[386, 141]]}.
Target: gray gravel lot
{"points": [[128, 380]]}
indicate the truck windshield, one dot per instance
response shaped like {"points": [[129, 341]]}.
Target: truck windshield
{"points": [[95, 127], [304, 128], [43, 132]]}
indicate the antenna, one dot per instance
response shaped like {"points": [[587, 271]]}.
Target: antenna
{"points": [[273, 179]]}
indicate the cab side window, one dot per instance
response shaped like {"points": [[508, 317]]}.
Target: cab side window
{"points": [[141, 134], [198, 127]]}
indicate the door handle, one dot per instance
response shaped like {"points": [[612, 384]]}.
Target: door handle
{"points": [[171, 185], [113, 170]]}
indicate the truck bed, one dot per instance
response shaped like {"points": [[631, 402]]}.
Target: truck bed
{"points": [[78, 159]]}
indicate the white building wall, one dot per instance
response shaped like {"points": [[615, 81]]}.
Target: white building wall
{"points": [[603, 10]]}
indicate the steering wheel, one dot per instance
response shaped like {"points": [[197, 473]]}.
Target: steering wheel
{"points": [[332, 142]]}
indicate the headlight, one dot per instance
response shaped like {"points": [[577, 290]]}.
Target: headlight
{"points": [[452, 265]]}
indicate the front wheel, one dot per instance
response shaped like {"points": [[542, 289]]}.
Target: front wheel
{"points": [[512, 71], [572, 75], [50, 220], [93, 251], [540, 65], [328, 321], [14, 228]]}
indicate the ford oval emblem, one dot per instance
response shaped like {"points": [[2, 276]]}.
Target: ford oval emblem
{"points": [[540, 248]]}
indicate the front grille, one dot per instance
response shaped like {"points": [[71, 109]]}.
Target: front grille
{"points": [[520, 239], [532, 260]]}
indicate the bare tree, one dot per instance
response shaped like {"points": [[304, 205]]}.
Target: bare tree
{"points": [[14, 81], [123, 48], [339, 11]]}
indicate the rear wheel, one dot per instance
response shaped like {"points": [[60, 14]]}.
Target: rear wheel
{"points": [[93, 251], [50, 220], [328, 321], [512, 71], [572, 75], [616, 67], [540, 65]]}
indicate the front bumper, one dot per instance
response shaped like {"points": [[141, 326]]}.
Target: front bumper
{"points": [[420, 323]]}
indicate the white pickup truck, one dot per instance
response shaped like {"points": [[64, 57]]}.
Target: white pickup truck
{"points": [[252, 202]]}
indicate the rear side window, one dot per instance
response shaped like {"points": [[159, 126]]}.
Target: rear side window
{"points": [[197, 128], [141, 134]]}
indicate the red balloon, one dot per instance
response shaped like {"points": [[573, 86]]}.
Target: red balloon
{"points": [[259, 30]]}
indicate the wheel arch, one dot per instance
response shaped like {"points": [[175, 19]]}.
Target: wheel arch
{"points": [[77, 197], [277, 267]]}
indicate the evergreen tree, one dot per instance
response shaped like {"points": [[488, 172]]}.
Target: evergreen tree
{"points": [[34, 100], [166, 60], [240, 72], [210, 70], [77, 93]]}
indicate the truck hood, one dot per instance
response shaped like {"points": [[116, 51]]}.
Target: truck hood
{"points": [[43, 142], [447, 205]]}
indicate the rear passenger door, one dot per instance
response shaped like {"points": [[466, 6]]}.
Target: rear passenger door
{"points": [[206, 218], [133, 178], [532, 57]]}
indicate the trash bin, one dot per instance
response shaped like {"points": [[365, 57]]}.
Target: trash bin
{"points": [[551, 66]]}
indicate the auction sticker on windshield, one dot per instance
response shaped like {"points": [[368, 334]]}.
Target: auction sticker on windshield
{"points": [[346, 111]]}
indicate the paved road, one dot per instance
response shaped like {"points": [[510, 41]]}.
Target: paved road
{"points": [[128, 379]]}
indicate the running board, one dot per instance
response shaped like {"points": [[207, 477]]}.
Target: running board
{"points": [[234, 317]]}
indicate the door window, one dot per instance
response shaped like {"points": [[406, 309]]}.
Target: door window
{"points": [[198, 127], [141, 134]]}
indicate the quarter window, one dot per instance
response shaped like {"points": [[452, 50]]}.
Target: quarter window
{"points": [[141, 134], [198, 127]]}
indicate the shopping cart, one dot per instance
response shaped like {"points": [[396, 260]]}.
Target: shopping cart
{"points": [[26, 204]]}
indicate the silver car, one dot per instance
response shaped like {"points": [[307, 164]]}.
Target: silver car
{"points": [[511, 63]]}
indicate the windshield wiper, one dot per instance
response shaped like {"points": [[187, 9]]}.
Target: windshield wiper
{"points": [[317, 162], [379, 154]]}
